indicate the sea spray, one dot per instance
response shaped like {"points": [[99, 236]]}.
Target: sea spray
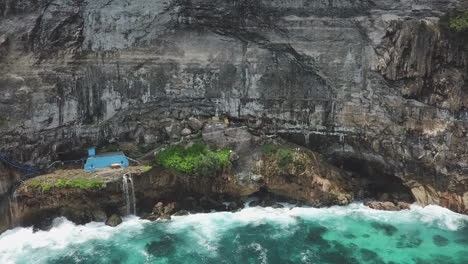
{"points": [[347, 234]]}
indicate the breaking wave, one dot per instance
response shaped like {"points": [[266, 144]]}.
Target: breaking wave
{"points": [[353, 234]]}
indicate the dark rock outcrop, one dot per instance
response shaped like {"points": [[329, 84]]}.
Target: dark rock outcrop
{"points": [[163, 212], [388, 206], [114, 220]]}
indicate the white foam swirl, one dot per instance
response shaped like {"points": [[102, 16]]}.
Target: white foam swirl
{"points": [[63, 233]]}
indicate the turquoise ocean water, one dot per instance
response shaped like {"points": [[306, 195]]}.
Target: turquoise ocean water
{"points": [[348, 234]]}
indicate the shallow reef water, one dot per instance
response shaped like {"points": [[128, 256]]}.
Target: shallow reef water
{"points": [[346, 234]]}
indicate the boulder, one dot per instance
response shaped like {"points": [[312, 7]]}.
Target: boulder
{"points": [[150, 138], [403, 205], [233, 156], [181, 212], [170, 208], [195, 124], [233, 206], [173, 129], [165, 217], [151, 217], [213, 134], [161, 212], [186, 132], [114, 220], [99, 215], [158, 208], [387, 206]]}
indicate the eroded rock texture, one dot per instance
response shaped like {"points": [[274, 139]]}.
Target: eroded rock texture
{"points": [[378, 87]]}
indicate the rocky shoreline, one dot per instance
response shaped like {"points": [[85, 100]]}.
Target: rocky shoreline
{"points": [[39, 209], [270, 169]]}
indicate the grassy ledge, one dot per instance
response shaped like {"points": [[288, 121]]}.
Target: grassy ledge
{"points": [[68, 183], [198, 158]]}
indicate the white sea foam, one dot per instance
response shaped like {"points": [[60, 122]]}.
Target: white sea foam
{"points": [[207, 228], [263, 257], [442, 217], [62, 234], [431, 214]]}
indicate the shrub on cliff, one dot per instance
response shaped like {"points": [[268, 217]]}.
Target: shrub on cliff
{"points": [[459, 22], [268, 148], [284, 157], [196, 159]]}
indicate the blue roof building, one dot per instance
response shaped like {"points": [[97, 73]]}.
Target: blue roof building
{"points": [[105, 160]]}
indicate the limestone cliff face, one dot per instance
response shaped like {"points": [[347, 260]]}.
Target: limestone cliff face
{"points": [[378, 87]]}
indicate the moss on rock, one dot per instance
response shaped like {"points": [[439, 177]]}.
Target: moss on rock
{"points": [[459, 22]]}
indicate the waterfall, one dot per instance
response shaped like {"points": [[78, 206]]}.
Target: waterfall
{"points": [[128, 190], [125, 192], [13, 203], [133, 194]]}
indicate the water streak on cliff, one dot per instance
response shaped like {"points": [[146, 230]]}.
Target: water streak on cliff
{"points": [[129, 194], [13, 202]]}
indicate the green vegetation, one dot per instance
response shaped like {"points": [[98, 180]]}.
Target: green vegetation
{"points": [[147, 168], [72, 183], [5, 118], [283, 156], [80, 183], [268, 148], [46, 187], [459, 22], [197, 159], [35, 183]]}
